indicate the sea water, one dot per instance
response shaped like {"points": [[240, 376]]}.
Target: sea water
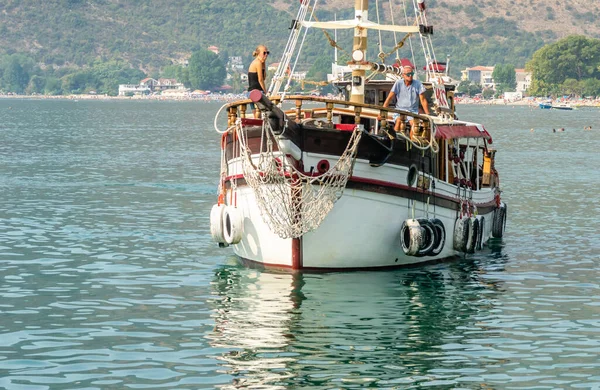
{"points": [[109, 278]]}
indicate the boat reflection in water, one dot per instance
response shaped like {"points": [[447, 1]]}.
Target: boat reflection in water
{"points": [[367, 328]]}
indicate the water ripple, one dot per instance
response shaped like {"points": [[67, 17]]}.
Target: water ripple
{"points": [[109, 279]]}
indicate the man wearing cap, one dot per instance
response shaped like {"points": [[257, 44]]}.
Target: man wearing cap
{"points": [[408, 93]]}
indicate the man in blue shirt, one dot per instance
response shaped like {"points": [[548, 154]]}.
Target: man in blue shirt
{"points": [[408, 94]]}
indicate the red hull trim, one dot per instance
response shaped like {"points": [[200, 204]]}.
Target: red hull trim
{"points": [[385, 187], [297, 253], [287, 269]]}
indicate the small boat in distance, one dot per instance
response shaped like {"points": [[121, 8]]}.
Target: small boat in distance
{"points": [[562, 106], [546, 105], [325, 183]]}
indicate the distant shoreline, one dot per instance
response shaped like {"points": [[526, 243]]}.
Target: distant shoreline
{"points": [[225, 98], [193, 98]]}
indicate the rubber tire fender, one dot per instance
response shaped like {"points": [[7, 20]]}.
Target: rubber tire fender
{"points": [[428, 237], [461, 234], [233, 226], [481, 236], [440, 236], [499, 221], [216, 223], [473, 235], [411, 237]]}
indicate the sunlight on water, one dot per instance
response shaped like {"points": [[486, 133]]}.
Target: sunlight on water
{"points": [[109, 279]]}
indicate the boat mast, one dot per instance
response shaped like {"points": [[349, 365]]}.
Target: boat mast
{"points": [[358, 63]]}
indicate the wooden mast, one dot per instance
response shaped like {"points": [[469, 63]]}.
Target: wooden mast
{"points": [[359, 51]]}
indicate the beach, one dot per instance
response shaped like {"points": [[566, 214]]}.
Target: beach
{"points": [[229, 97]]}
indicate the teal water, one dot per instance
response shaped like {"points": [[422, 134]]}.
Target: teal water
{"points": [[109, 279]]}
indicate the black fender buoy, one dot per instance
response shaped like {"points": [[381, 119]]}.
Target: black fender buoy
{"points": [[440, 236], [473, 235], [428, 237], [499, 221], [481, 236]]}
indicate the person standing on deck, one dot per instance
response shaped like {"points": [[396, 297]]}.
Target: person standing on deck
{"points": [[257, 71], [408, 93]]}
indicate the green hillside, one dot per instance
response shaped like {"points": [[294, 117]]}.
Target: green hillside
{"points": [[148, 35]]}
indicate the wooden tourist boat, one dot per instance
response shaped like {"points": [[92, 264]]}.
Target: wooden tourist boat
{"points": [[327, 184]]}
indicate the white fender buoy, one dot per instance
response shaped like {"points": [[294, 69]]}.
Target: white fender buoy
{"points": [[428, 237], [233, 225], [461, 234], [499, 221], [411, 236], [473, 235], [440, 236], [216, 224], [481, 237]]}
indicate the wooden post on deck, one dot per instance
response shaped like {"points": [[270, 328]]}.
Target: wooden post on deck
{"points": [[357, 111], [384, 115], [329, 107], [402, 119], [298, 110], [232, 116]]}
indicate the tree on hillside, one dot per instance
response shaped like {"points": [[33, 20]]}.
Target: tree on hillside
{"points": [[505, 77], [574, 57], [15, 72], [206, 70], [320, 68], [469, 88]]}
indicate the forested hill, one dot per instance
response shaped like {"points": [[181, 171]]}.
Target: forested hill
{"points": [[150, 34]]}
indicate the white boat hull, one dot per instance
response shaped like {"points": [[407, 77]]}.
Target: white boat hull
{"points": [[363, 230]]}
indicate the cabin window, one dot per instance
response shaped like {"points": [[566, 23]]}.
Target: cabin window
{"points": [[370, 96]]}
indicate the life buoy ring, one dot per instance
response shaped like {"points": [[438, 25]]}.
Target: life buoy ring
{"points": [[322, 166], [481, 236], [411, 237], [216, 224], [461, 234], [440, 236], [473, 235], [232, 225], [428, 237], [499, 221]]}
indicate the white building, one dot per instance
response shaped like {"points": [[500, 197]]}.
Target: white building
{"points": [[150, 85], [480, 75], [483, 75], [235, 63], [133, 89], [523, 80]]}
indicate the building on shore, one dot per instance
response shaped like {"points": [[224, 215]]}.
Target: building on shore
{"points": [[150, 86], [479, 75], [483, 75]]}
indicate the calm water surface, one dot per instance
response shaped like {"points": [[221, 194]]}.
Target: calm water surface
{"points": [[109, 279]]}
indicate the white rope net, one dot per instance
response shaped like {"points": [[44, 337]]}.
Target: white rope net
{"points": [[291, 202]]}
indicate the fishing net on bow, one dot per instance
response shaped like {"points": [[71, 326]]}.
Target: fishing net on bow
{"points": [[291, 202]]}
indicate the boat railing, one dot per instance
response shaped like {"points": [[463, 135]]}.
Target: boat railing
{"points": [[241, 109]]}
